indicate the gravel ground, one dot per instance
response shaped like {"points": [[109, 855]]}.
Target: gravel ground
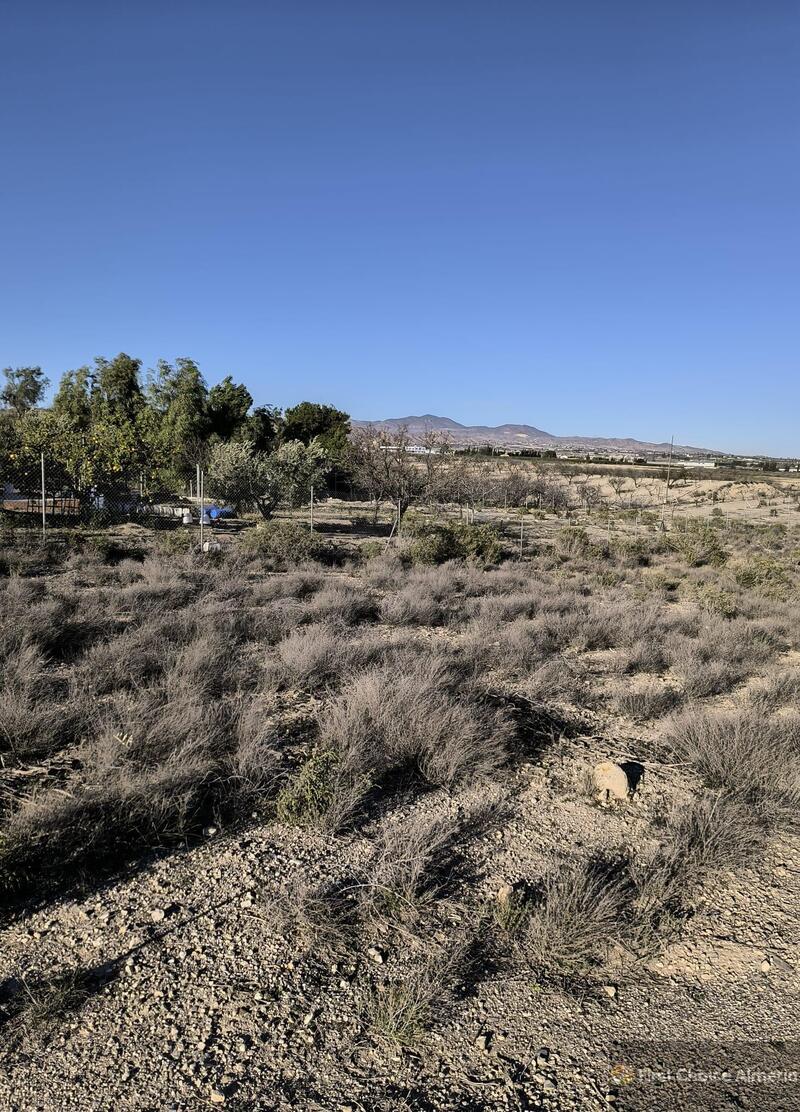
{"points": [[204, 996]]}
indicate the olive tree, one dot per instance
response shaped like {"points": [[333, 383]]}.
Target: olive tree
{"points": [[248, 479]]}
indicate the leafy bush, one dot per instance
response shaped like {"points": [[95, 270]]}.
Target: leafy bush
{"points": [[763, 574], [247, 478], [573, 541], [371, 550], [437, 542], [177, 542], [715, 600], [323, 793], [699, 545], [633, 553], [284, 542]]}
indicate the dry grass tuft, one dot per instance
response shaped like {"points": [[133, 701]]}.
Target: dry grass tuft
{"points": [[580, 914], [40, 712], [647, 701], [418, 719], [411, 866], [756, 760], [401, 1009]]}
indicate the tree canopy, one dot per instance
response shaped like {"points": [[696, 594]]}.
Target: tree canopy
{"points": [[108, 429], [309, 421], [23, 389]]}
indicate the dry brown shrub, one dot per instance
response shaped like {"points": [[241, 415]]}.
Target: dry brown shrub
{"points": [[418, 718]]}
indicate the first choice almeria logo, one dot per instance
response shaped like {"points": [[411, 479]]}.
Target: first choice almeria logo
{"points": [[620, 1074]]}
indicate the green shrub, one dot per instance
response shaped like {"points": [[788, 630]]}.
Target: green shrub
{"points": [[285, 542], [437, 542], [370, 550], [715, 600], [699, 545], [573, 541], [178, 542], [306, 797], [633, 553], [609, 578], [321, 794], [763, 574]]}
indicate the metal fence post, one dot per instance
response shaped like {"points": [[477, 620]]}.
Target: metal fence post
{"points": [[44, 504], [312, 509], [202, 485]]}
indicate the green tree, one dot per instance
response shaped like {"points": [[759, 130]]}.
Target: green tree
{"points": [[178, 398], [228, 405], [73, 399], [11, 464], [119, 442], [23, 389], [116, 390], [63, 446], [264, 427], [309, 421], [246, 478]]}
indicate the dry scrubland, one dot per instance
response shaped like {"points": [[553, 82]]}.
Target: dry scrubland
{"points": [[301, 827]]}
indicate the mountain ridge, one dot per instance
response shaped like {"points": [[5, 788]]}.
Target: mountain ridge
{"points": [[523, 436]]}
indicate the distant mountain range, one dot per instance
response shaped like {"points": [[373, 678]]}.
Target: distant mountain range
{"points": [[524, 436]]}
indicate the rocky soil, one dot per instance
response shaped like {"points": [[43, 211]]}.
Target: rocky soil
{"points": [[203, 993]]}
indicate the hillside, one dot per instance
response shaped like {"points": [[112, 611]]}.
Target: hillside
{"points": [[525, 436]]}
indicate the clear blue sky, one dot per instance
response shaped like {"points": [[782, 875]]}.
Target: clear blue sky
{"points": [[582, 215]]}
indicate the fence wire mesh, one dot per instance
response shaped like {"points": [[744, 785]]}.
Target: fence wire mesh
{"points": [[39, 494]]}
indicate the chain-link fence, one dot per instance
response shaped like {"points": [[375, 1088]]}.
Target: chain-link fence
{"points": [[38, 494], [41, 494]]}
